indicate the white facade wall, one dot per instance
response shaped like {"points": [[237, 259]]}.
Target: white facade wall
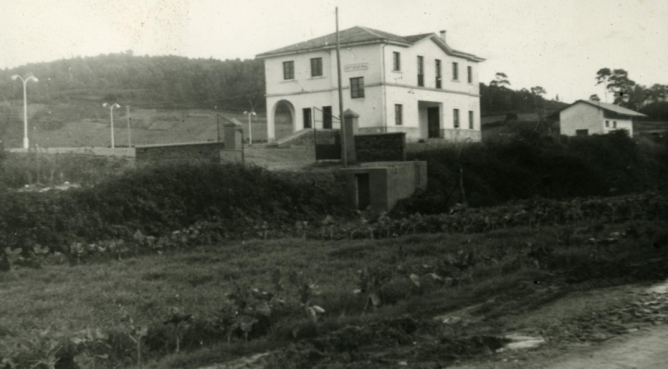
{"points": [[383, 88], [591, 118], [626, 124], [581, 116]]}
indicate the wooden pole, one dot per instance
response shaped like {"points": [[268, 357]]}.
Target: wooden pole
{"points": [[344, 155], [127, 110], [218, 126]]}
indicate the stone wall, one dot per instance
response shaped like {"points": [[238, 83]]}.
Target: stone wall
{"points": [[200, 151], [380, 147], [325, 137]]}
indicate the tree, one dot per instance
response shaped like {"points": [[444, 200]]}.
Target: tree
{"points": [[621, 86], [500, 80], [594, 97], [657, 93]]}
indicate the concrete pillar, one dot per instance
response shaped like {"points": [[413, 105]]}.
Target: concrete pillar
{"points": [[271, 129], [351, 122]]}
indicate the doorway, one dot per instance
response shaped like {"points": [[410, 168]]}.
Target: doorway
{"points": [[307, 118], [363, 191], [433, 122]]}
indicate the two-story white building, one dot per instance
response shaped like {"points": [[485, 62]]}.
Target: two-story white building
{"points": [[585, 117], [414, 84]]}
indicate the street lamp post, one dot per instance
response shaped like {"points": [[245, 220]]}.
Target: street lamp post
{"points": [[25, 106], [111, 112], [250, 129]]}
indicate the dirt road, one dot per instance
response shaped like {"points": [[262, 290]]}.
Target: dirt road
{"points": [[645, 349]]}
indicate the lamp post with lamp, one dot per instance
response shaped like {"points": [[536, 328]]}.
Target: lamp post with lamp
{"points": [[25, 106], [111, 112], [250, 129]]}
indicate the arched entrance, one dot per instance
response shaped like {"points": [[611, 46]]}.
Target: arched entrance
{"points": [[281, 122]]}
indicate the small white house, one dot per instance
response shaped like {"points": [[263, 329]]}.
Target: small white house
{"points": [[413, 84], [584, 117]]}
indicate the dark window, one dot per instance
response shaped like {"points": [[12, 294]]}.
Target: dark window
{"points": [[438, 73], [398, 114], [316, 67], [307, 118], [456, 117], [397, 61], [582, 132], [356, 87], [470, 119], [327, 117], [289, 70], [614, 124], [607, 123], [420, 62], [470, 74], [455, 71]]}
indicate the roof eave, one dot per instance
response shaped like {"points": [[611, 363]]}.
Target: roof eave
{"points": [[270, 54], [452, 52]]}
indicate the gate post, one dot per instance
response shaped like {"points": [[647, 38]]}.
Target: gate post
{"points": [[350, 120]]}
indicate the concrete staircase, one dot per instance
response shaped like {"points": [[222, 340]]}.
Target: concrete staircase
{"points": [[296, 137]]}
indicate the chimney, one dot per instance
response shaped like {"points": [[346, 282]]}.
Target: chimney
{"points": [[442, 32]]}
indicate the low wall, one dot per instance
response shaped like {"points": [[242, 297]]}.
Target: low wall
{"points": [[380, 147], [126, 152], [324, 136], [196, 151], [456, 135], [412, 133]]}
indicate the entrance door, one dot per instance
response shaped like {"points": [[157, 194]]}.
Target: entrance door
{"points": [[363, 191], [433, 123], [307, 118], [327, 117]]}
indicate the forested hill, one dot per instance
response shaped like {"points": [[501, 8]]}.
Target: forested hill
{"points": [[156, 81], [180, 82], [500, 100]]}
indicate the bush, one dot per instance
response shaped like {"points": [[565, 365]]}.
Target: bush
{"points": [[531, 165], [160, 200]]}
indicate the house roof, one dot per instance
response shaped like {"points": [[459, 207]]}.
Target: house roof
{"points": [[609, 107], [362, 35]]}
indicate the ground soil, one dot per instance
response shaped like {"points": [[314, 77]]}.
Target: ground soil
{"points": [[614, 327], [625, 328]]}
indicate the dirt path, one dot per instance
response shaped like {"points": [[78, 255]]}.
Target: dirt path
{"points": [[645, 349]]}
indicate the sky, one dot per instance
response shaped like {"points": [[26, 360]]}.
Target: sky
{"points": [[556, 44]]}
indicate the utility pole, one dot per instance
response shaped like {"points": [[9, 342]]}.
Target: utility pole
{"points": [[218, 126], [127, 113], [344, 154]]}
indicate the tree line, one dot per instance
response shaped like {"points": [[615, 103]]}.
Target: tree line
{"points": [[180, 82], [151, 81], [652, 100]]}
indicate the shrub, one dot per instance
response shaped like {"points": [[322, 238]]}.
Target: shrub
{"points": [[531, 165], [160, 200]]}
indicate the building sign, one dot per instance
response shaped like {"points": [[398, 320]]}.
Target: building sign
{"points": [[356, 67]]}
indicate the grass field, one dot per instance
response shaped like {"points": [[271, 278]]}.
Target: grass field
{"points": [[84, 123], [408, 277]]}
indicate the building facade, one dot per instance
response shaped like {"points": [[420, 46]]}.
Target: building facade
{"points": [[583, 118], [413, 84]]}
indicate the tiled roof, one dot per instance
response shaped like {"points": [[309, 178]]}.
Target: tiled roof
{"points": [[357, 35], [611, 107], [415, 38]]}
